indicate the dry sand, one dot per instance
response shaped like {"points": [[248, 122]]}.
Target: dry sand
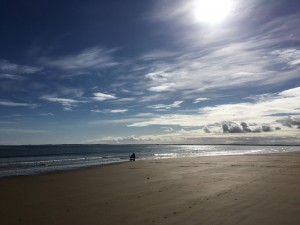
{"points": [[253, 189]]}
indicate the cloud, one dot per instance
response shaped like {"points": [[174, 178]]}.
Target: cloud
{"points": [[216, 60], [266, 128], [175, 104], [198, 136], [163, 87], [88, 59], [67, 104], [169, 119], [118, 110], [290, 121], [261, 110], [289, 56], [23, 131], [46, 114], [153, 97], [232, 127], [11, 76], [197, 100], [206, 130], [144, 114], [6, 122], [69, 91], [103, 97], [8, 67], [168, 129], [245, 127], [121, 140], [294, 92], [124, 100], [126, 121], [157, 55], [157, 76], [16, 104], [164, 11], [110, 111], [97, 111], [242, 64]]}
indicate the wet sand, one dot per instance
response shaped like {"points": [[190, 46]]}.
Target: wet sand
{"points": [[229, 190]]}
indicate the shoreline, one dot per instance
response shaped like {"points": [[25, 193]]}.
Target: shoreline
{"points": [[239, 189], [63, 170], [147, 159], [233, 144]]}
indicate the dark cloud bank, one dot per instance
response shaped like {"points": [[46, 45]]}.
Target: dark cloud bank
{"points": [[290, 122], [232, 127], [243, 127]]}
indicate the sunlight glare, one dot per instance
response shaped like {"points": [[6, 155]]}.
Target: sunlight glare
{"points": [[212, 11]]}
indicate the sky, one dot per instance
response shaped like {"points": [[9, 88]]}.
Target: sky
{"points": [[149, 72]]}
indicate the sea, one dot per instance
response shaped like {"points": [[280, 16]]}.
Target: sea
{"points": [[35, 159]]}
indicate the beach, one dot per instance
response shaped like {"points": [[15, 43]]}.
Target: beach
{"points": [[229, 190]]}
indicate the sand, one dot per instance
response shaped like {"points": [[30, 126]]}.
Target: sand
{"points": [[253, 189]]}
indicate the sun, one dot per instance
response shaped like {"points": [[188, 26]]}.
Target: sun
{"points": [[212, 11]]}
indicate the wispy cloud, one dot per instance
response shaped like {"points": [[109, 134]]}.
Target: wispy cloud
{"points": [[88, 59], [265, 111], [126, 121], [197, 100], [16, 104], [175, 104], [8, 67], [23, 131], [217, 59], [289, 56], [67, 104], [6, 122], [103, 97], [197, 72], [69, 91], [157, 55], [46, 114], [170, 119], [11, 76], [163, 87], [157, 76], [118, 110], [124, 100], [109, 111]]}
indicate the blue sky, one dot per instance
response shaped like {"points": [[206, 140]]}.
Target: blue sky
{"points": [[156, 71]]}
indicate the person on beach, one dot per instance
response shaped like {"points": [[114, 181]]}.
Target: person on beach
{"points": [[132, 157]]}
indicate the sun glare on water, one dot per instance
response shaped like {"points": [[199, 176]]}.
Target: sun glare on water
{"points": [[212, 11]]}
